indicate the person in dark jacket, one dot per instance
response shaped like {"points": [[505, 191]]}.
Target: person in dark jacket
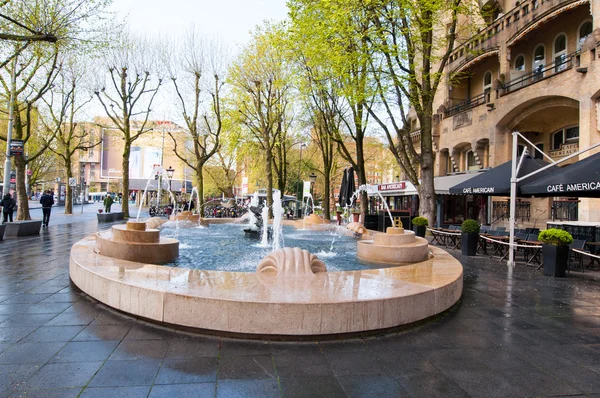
{"points": [[47, 201], [8, 206]]}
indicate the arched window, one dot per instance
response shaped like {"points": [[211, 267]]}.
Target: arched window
{"points": [[585, 29], [560, 52], [487, 85], [539, 58], [487, 81], [520, 63]]}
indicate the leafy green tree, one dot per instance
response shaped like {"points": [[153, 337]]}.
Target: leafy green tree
{"points": [[261, 89], [411, 43], [332, 37]]}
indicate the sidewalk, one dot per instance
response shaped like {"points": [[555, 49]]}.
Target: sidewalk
{"points": [[58, 216]]}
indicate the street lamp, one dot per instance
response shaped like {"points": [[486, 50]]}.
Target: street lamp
{"points": [[312, 177], [170, 172]]}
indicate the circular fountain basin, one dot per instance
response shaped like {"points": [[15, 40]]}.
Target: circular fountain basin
{"points": [[249, 303]]}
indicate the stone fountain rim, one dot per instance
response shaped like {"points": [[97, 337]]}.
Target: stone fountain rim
{"points": [[181, 296]]}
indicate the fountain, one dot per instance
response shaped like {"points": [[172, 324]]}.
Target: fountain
{"points": [[164, 181], [265, 232], [391, 279]]}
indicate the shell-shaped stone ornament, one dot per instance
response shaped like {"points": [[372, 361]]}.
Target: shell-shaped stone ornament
{"points": [[291, 261]]}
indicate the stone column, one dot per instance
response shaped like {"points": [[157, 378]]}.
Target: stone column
{"points": [[589, 209]]}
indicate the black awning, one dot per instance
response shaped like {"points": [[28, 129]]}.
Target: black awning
{"points": [[496, 181], [580, 179]]}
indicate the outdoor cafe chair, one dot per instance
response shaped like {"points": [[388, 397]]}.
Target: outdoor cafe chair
{"points": [[578, 244]]}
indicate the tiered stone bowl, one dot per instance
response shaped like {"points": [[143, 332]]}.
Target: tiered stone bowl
{"points": [[396, 246], [133, 242]]}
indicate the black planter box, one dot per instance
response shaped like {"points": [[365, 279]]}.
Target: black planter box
{"points": [[468, 244], [556, 259], [420, 230]]}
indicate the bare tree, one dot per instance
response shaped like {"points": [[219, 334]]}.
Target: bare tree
{"points": [[127, 101], [64, 107], [198, 83]]}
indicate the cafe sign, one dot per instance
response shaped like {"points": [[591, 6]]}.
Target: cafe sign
{"points": [[576, 187], [397, 186], [565, 149]]}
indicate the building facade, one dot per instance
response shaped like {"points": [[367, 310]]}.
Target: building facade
{"points": [[534, 69]]}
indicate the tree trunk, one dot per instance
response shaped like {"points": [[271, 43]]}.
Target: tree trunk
{"points": [[125, 190], [69, 198], [22, 200], [200, 186], [426, 189], [269, 174], [326, 196]]}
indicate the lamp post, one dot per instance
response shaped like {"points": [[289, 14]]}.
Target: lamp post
{"points": [[170, 172], [312, 178], [7, 163]]}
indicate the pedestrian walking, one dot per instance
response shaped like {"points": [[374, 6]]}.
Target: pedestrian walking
{"points": [[8, 206], [46, 201], [108, 201]]}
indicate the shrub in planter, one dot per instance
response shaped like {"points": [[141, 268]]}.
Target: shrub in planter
{"points": [[469, 237], [555, 251], [420, 226]]}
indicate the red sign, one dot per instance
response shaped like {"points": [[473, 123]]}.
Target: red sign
{"points": [[393, 187]]}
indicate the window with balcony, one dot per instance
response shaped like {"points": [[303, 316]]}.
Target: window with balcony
{"points": [[560, 53], [487, 82], [585, 29], [569, 135], [520, 63], [539, 57]]}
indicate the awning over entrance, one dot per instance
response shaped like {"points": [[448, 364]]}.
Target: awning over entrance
{"points": [[402, 188], [580, 179], [443, 184], [496, 181]]}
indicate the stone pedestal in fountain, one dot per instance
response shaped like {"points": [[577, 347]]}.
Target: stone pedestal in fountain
{"points": [[190, 217], [312, 221], [134, 242], [396, 246]]}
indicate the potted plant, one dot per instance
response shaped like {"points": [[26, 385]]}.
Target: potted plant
{"points": [[355, 214], [555, 251], [339, 211], [420, 226], [469, 237]]}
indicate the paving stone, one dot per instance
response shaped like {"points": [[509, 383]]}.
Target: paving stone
{"points": [[187, 370], [202, 390], [116, 392], [63, 375], [248, 389], [246, 367], [312, 387], [83, 351], [126, 373]]}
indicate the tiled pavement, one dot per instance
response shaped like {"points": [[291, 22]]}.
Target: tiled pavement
{"points": [[511, 335]]}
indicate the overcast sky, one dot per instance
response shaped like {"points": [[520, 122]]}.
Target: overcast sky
{"points": [[230, 20]]}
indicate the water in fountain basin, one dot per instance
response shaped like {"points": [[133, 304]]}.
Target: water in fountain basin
{"points": [[223, 247]]}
